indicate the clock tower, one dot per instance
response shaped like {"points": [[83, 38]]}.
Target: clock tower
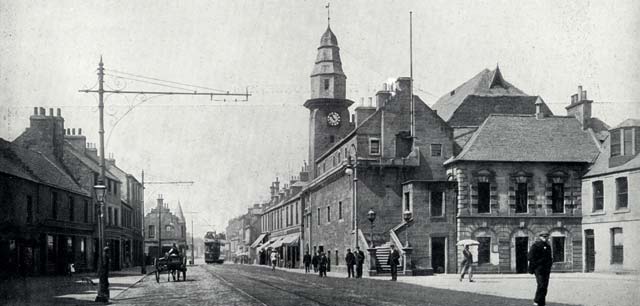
{"points": [[328, 108]]}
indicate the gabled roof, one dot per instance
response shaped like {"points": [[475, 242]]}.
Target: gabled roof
{"points": [[599, 127], [475, 109], [179, 213], [523, 138], [485, 83], [601, 165], [35, 166], [90, 163]]}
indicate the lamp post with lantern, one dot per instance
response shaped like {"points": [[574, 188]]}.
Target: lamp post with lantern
{"points": [[352, 172], [103, 266], [371, 215], [407, 215]]}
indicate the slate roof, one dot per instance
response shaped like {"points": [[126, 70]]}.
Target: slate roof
{"points": [[523, 138], [35, 166], [475, 109], [92, 164], [599, 127], [485, 83], [629, 123], [601, 165]]}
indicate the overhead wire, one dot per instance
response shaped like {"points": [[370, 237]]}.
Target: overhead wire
{"points": [[165, 81]]}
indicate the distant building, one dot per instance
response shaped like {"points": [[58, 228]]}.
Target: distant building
{"points": [[164, 226], [611, 209]]}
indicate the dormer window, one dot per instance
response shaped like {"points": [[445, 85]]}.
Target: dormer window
{"points": [[624, 141], [615, 143]]}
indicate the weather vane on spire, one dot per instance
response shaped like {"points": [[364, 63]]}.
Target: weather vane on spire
{"points": [[328, 13]]}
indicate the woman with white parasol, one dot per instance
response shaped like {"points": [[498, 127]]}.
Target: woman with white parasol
{"points": [[467, 262]]}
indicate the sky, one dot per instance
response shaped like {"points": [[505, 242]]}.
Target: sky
{"points": [[232, 151]]}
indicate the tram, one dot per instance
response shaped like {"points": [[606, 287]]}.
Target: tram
{"points": [[214, 247]]}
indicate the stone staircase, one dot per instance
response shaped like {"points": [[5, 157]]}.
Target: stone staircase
{"points": [[382, 255]]}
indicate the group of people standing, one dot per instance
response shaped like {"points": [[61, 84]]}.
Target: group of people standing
{"points": [[321, 263]]}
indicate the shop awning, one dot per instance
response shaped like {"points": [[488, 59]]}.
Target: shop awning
{"points": [[266, 244], [291, 239], [278, 243], [258, 241]]}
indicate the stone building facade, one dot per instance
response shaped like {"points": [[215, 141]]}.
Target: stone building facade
{"points": [[61, 169], [165, 228], [517, 176], [611, 199]]}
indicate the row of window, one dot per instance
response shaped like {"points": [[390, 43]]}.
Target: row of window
{"points": [[55, 206], [521, 197], [328, 215], [622, 194], [282, 217], [558, 244]]}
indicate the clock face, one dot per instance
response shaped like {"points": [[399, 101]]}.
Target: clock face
{"points": [[333, 119]]}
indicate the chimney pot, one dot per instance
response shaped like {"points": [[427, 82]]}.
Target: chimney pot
{"points": [[370, 101], [43, 112], [73, 131], [79, 131], [584, 94], [384, 86], [35, 110], [59, 112], [51, 112], [580, 98]]}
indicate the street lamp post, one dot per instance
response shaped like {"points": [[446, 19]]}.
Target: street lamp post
{"points": [[407, 216], [103, 265], [371, 215], [352, 172]]}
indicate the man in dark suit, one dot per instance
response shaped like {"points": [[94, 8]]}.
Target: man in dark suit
{"points": [[394, 261], [540, 262], [307, 262], [359, 262], [315, 260], [350, 259], [323, 262]]}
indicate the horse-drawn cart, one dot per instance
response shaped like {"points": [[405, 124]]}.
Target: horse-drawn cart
{"points": [[173, 264]]}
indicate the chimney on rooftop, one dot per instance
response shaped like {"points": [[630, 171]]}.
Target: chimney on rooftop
{"points": [[45, 133], [580, 108]]}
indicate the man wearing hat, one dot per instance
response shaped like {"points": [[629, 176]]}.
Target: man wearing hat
{"points": [[540, 262], [394, 261]]}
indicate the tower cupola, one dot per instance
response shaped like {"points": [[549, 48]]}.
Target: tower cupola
{"points": [[327, 78]]}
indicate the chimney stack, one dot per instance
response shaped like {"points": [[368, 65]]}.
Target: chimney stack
{"points": [[580, 108]]}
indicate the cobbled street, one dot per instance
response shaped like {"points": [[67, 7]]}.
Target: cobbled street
{"points": [[254, 285]]}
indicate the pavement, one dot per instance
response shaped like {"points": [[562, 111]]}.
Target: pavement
{"points": [[130, 287], [65, 290], [589, 289]]}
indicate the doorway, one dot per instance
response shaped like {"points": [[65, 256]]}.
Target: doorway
{"points": [[438, 254], [522, 249], [590, 251]]}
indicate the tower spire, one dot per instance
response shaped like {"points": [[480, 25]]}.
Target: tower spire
{"points": [[328, 7]]}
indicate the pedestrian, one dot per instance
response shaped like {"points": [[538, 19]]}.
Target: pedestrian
{"points": [[323, 262], [359, 262], [307, 262], [315, 261], [394, 261], [467, 263], [540, 262], [274, 259], [350, 259]]}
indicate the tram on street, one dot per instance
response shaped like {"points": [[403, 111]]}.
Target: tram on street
{"points": [[214, 247]]}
